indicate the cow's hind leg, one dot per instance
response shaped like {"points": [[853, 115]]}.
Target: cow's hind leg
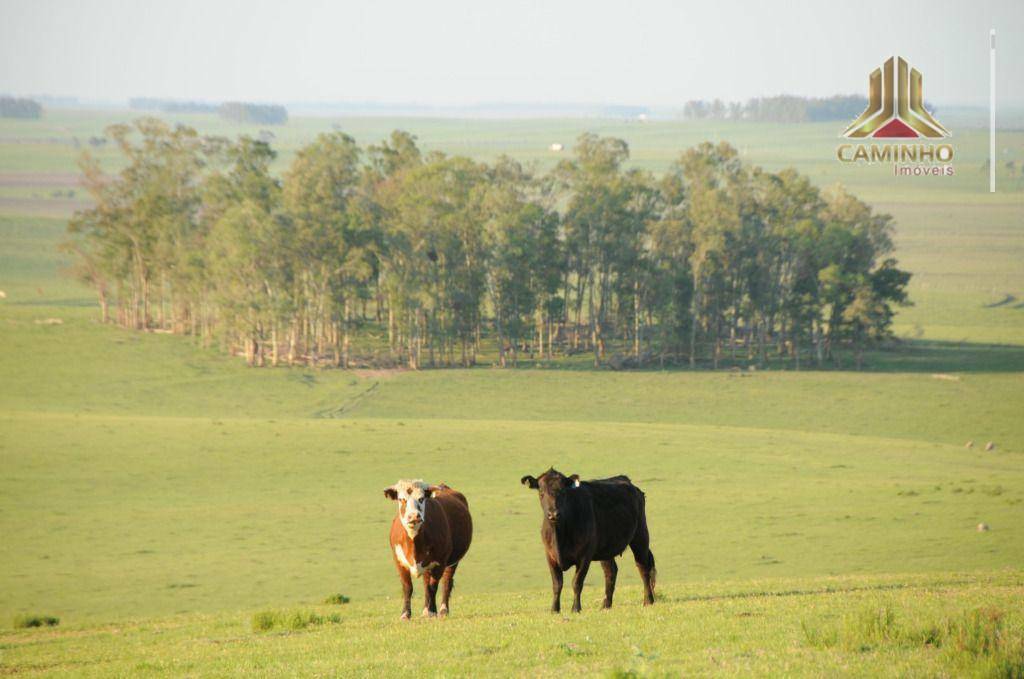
{"points": [[406, 579], [611, 571], [577, 583], [429, 594], [447, 582], [645, 563], [556, 586]]}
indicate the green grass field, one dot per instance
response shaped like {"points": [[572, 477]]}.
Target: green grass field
{"points": [[157, 497], [850, 626]]}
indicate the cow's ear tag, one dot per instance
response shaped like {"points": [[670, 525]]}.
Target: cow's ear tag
{"points": [[575, 481]]}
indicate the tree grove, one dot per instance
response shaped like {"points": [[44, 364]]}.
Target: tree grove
{"points": [[388, 256]]}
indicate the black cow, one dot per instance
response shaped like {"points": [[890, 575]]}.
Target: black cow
{"points": [[588, 521]]}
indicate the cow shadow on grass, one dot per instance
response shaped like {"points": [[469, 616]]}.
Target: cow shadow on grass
{"points": [[1007, 299]]}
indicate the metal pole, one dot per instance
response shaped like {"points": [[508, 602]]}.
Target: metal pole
{"points": [[992, 112]]}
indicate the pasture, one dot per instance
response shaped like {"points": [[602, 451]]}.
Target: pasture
{"points": [[156, 496]]}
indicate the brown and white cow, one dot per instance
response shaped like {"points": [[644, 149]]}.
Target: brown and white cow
{"points": [[429, 536]]}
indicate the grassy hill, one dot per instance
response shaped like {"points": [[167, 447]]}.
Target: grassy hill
{"points": [[157, 496]]}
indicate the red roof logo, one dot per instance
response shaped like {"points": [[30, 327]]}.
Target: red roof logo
{"points": [[895, 106]]}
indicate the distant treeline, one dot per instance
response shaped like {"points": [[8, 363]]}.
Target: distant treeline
{"points": [[779, 109], [171, 105], [11, 107], [235, 111], [262, 114], [386, 255]]}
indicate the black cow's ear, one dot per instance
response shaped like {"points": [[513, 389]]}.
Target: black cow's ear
{"points": [[575, 478], [529, 481], [390, 493]]}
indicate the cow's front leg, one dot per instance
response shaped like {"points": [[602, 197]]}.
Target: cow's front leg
{"points": [[406, 579], [556, 586], [429, 594], [577, 583], [447, 582], [611, 570]]}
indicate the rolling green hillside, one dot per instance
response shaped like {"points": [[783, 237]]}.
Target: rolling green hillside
{"points": [[156, 495]]}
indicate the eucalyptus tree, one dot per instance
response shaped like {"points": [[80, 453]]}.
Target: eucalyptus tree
{"points": [[711, 176], [786, 294], [859, 280], [248, 249], [329, 241], [99, 242], [524, 265], [632, 279], [143, 221], [380, 181], [669, 252], [434, 257], [596, 221], [246, 267]]}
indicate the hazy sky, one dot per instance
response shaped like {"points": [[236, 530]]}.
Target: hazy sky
{"points": [[453, 52]]}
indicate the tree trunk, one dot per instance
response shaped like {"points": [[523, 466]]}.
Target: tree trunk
{"points": [[501, 335], [273, 344], [104, 307], [593, 321], [636, 321], [293, 338], [346, 321], [817, 344], [694, 315], [162, 322], [145, 304], [391, 326]]}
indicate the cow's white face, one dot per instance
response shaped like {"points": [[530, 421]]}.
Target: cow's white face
{"points": [[412, 504]]}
